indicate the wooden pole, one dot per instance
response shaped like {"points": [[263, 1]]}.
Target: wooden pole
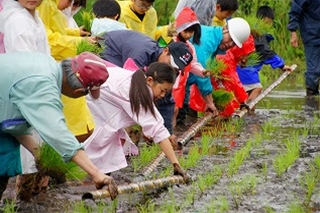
{"points": [[136, 187], [182, 140], [264, 93]]}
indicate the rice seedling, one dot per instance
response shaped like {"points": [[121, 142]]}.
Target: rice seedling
{"points": [[221, 98], [87, 17], [268, 209], [220, 205], [148, 207], [296, 208], [86, 46], [308, 182], [252, 59], [215, 67], [146, 154], [9, 206], [238, 158], [193, 157], [49, 162], [282, 162]]}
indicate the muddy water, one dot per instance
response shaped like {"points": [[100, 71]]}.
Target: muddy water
{"points": [[288, 110]]}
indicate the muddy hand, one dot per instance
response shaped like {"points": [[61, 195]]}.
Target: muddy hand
{"points": [[177, 170], [173, 141], [112, 186]]}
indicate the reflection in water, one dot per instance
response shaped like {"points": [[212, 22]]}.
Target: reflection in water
{"points": [[312, 103]]}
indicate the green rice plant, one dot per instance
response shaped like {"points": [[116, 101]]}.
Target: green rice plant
{"points": [[170, 206], [215, 67], [81, 207], [221, 98], [282, 162], [206, 181], [86, 46], [268, 209], [193, 157], [258, 26], [296, 208], [205, 144], [308, 182], [9, 206], [264, 171], [252, 59], [146, 155], [316, 161], [223, 204], [87, 17], [238, 158], [49, 162], [148, 207]]}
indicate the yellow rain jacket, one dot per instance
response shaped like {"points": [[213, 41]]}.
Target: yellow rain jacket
{"points": [[218, 22], [147, 26], [62, 40], [63, 44]]}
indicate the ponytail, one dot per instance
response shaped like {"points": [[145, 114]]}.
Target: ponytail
{"points": [[139, 94]]}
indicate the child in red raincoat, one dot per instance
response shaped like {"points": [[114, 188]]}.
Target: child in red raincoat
{"points": [[187, 26], [230, 80]]}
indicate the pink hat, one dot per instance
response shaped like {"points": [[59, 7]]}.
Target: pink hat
{"points": [[186, 18], [91, 72]]}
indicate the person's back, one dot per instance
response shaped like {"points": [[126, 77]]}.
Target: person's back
{"points": [[204, 9], [107, 14], [140, 16], [224, 10], [124, 44]]}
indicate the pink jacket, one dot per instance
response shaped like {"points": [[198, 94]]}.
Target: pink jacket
{"points": [[112, 113]]}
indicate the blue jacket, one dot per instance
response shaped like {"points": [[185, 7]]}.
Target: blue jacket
{"points": [[211, 37], [250, 75], [305, 14]]}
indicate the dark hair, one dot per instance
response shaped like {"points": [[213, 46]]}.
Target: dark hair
{"points": [[229, 5], [106, 9], [197, 33], [149, 1], [80, 3], [139, 92], [265, 12]]}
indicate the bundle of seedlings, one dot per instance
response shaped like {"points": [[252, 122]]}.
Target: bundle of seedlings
{"points": [[215, 67], [221, 98], [49, 163], [252, 59], [87, 17], [258, 26], [86, 46]]}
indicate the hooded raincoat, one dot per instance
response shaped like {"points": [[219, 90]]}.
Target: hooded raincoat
{"points": [[63, 43], [147, 26], [231, 81]]}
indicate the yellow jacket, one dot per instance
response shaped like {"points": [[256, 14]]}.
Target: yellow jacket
{"points": [[218, 22], [147, 26], [62, 40], [63, 44]]}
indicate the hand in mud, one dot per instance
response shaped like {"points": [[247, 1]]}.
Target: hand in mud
{"points": [[112, 186], [177, 170], [173, 141], [212, 108]]}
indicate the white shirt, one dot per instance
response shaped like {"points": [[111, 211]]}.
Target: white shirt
{"points": [[22, 31]]}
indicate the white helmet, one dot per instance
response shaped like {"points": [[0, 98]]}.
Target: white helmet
{"points": [[239, 30]]}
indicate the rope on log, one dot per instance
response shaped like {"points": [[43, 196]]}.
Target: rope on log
{"points": [[136, 187], [265, 92]]}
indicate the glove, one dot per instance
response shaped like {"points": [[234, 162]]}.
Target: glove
{"points": [[112, 186], [177, 170]]}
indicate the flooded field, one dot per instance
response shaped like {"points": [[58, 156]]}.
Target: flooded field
{"points": [[267, 161]]}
